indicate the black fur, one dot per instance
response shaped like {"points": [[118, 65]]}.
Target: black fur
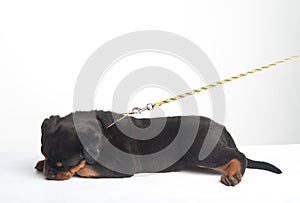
{"points": [[60, 143]]}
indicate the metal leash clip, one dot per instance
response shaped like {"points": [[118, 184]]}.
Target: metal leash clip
{"points": [[137, 110]]}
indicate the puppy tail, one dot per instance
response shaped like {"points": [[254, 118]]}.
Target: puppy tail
{"points": [[263, 165]]}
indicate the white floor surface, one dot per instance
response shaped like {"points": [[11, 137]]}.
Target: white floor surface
{"points": [[19, 182]]}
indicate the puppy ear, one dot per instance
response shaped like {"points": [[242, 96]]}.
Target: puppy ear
{"points": [[92, 145], [91, 140]]}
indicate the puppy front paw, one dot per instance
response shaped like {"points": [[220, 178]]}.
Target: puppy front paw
{"points": [[40, 165]]}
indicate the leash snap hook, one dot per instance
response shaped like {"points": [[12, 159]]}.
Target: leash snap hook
{"points": [[137, 110]]}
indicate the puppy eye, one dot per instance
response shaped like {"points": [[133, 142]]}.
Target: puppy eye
{"points": [[59, 164]]}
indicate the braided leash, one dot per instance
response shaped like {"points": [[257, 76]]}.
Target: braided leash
{"points": [[195, 91], [150, 106]]}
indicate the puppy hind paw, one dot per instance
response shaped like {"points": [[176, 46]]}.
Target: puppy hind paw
{"points": [[231, 179]]}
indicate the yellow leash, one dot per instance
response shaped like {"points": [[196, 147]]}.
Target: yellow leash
{"points": [[150, 106]]}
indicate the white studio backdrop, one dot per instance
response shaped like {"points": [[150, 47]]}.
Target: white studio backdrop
{"points": [[43, 46]]}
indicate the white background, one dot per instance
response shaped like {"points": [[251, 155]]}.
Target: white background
{"points": [[43, 46]]}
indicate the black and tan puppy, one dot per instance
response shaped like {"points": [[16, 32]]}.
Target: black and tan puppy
{"points": [[66, 156]]}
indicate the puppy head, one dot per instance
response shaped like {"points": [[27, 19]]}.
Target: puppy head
{"points": [[65, 154], [61, 148]]}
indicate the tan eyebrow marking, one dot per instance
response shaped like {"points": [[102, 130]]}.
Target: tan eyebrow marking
{"points": [[59, 164]]}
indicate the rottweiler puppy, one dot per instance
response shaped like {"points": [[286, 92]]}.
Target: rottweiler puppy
{"points": [[73, 145]]}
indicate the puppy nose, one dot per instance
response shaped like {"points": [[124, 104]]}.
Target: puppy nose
{"points": [[50, 175]]}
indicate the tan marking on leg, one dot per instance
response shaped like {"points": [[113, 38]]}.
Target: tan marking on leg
{"points": [[78, 167], [67, 175], [87, 172], [232, 172], [200, 166], [64, 175]]}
